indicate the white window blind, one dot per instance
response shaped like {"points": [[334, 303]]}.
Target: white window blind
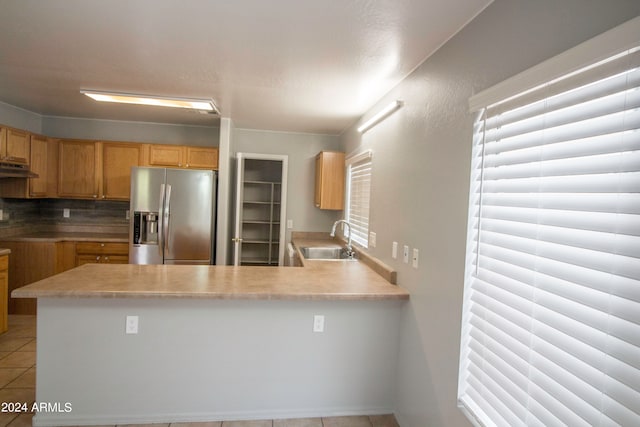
{"points": [[358, 196], [551, 315]]}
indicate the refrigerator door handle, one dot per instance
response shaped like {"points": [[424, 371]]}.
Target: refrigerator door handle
{"points": [[161, 220], [166, 218]]}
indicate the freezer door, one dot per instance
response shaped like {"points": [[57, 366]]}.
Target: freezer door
{"points": [[190, 204], [146, 196]]}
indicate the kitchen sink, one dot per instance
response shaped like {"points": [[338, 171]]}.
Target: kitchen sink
{"points": [[326, 254]]}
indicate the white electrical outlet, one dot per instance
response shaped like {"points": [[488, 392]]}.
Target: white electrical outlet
{"points": [[414, 260], [405, 254], [318, 323], [372, 239], [1, 215], [127, 214], [131, 325], [289, 224], [66, 213], [394, 250]]}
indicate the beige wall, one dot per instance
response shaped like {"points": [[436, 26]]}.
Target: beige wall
{"points": [[421, 177]]}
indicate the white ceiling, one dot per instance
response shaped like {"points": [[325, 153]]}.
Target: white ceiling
{"points": [[286, 65]]}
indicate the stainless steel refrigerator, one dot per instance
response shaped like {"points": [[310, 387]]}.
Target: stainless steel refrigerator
{"points": [[172, 216]]}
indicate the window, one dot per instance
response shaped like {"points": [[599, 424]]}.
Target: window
{"points": [[551, 313], [358, 196]]}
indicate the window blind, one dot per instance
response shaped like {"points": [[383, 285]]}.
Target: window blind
{"points": [[358, 196], [551, 313]]}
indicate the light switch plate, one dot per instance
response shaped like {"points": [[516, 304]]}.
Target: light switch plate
{"points": [[372, 239], [414, 260], [394, 250], [405, 254], [289, 224]]}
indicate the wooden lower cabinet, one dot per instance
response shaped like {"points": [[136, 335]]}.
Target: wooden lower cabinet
{"points": [[4, 290], [102, 253], [33, 261], [28, 263]]}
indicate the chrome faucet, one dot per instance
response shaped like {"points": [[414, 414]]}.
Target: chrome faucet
{"points": [[349, 248]]}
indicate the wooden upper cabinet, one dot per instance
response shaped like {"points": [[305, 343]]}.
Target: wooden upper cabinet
{"points": [[330, 169], [202, 157], [166, 155], [79, 169], [15, 145], [183, 156], [44, 162], [117, 160]]}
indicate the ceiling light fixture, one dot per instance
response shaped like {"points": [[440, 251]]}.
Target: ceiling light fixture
{"points": [[129, 98], [386, 111]]}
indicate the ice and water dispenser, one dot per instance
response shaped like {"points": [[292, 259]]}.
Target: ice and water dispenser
{"points": [[145, 228]]}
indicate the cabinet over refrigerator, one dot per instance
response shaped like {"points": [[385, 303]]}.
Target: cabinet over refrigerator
{"points": [[172, 216]]}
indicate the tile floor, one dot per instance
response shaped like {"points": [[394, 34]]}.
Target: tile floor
{"points": [[18, 380]]}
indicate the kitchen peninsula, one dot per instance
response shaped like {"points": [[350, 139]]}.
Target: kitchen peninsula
{"points": [[215, 342]]}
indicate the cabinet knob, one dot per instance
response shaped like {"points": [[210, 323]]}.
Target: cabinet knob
{"points": [[187, 165], [97, 258], [104, 197], [102, 245], [106, 259], [95, 196]]}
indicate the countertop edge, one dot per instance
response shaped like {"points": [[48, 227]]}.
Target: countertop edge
{"points": [[18, 293], [69, 237]]}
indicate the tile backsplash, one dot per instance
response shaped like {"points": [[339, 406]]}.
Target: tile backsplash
{"points": [[28, 215]]}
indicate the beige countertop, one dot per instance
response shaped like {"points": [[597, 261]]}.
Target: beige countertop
{"points": [[300, 240], [316, 280], [65, 236], [320, 281]]}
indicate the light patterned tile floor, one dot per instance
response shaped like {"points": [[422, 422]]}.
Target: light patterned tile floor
{"points": [[17, 368], [18, 380]]}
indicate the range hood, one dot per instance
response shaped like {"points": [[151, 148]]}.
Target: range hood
{"points": [[13, 167]]}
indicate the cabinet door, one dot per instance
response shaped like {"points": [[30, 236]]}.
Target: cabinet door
{"points": [[4, 292], [28, 263], [118, 158], [39, 162], [77, 172], [100, 248], [101, 252], [87, 259], [329, 192], [202, 158], [115, 259], [65, 256], [17, 146], [318, 192], [166, 155]]}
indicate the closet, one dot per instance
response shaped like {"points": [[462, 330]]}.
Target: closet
{"points": [[260, 210]]}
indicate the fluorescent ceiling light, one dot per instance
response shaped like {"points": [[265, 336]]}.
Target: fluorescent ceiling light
{"points": [[128, 98], [380, 115]]}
